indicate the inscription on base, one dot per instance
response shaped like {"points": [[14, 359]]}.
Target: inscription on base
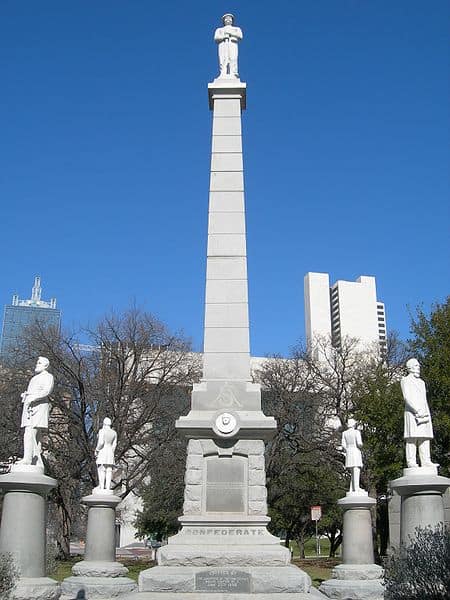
{"points": [[223, 580]]}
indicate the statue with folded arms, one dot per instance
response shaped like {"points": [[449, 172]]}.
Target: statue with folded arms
{"points": [[35, 412], [227, 38], [104, 455], [418, 428], [351, 444]]}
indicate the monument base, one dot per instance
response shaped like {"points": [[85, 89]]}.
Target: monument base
{"points": [[237, 580], [339, 589], [313, 595], [38, 588], [217, 557], [97, 587], [354, 582], [357, 578], [91, 568], [100, 575]]}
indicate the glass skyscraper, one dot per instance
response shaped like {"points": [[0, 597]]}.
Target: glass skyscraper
{"points": [[20, 314]]}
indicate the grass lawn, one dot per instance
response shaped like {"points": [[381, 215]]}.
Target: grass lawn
{"points": [[319, 569], [310, 548]]}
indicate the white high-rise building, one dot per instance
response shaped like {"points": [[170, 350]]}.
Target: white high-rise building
{"points": [[344, 309]]}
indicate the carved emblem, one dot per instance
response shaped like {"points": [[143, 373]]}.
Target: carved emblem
{"points": [[227, 397], [225, 423]]}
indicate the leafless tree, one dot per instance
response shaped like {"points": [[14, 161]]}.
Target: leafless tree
{"points": [[129, 368]]}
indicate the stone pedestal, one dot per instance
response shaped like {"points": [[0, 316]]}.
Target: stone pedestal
{"points": [[99, 574], [357, 578], [22, 530], [421, 490]]}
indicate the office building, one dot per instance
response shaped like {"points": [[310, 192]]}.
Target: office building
{"points": [[20, 314], [345, 309]]}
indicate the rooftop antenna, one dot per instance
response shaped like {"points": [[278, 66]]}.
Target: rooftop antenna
{"points": [[37, 290]]}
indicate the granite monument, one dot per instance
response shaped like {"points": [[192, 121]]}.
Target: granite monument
{"points": [[223, 546]]}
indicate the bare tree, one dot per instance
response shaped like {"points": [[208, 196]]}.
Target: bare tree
{"points": [[129, 368]]}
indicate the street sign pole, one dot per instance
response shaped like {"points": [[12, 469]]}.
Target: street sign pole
{"points": [[316, 513]]}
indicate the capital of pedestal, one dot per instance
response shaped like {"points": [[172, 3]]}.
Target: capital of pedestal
{"points": [[33, 481], [418, 480], [104, 499], [360, 501], [227, 88]]}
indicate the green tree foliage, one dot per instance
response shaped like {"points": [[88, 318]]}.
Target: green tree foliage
{"points": [[420, 571], [430, 344], [163, 495], [303, 465]]}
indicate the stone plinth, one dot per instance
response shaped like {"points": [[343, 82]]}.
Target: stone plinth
{"points": [[23, 527], [313, 595], [421, 490], [99, 574], [357, 578]]}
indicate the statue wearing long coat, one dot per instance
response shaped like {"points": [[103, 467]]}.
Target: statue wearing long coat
{"points": [[39, 387], [415, 396], [107, 442], [352, 442]]}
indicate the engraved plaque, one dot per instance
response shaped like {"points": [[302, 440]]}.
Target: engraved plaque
{"points": [[223, 580], [226, 484]]}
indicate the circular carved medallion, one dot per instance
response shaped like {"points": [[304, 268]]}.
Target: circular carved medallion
{"points": [[225, 423]]}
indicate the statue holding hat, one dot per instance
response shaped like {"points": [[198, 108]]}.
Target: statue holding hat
{"points": [[227, 38]]}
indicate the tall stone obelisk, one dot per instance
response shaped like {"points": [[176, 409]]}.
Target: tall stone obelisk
{"points": [[224, 546]]}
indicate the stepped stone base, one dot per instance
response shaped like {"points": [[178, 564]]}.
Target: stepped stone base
{"points": [[91, 568], [230, 580], [354, 582], [314, 595], [224, 559], [97, 587], [38, 588], [221, 556]]}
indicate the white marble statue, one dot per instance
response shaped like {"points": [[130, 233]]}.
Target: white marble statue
{"points": [[352, 444], [228, 37], [104, 455], [418, 426], [35, 412]]}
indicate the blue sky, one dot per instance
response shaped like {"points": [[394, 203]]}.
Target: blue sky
{"points": [[105, 154]]}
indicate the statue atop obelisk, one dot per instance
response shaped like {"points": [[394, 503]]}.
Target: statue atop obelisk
{"points": [[227, 38]]}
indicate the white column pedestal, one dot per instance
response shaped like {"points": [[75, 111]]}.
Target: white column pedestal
{"points": [[357, 577], [421, 490], [23, 527], [99, 574]]}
